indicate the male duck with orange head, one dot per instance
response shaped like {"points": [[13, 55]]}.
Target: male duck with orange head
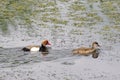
{"points": [[41, 48], [87, 51]]}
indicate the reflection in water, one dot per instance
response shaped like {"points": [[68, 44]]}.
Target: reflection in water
{"points": [[12, 57], [68, 63], [44, 53]]}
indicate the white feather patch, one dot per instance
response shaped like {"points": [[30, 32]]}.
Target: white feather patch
{"points": [[34, 49]]}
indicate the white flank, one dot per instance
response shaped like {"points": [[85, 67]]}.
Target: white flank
{"points": [[34, 49]]}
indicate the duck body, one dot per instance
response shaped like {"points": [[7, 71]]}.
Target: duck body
{"points": [[31, 48], [83, 51], [35, 48], [88, 51]]}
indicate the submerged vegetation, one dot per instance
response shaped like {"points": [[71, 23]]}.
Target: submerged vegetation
{"points": [[47, 13], [16, 12]]}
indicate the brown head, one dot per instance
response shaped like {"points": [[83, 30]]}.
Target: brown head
{"points": [[45, 42], [95, 45]]}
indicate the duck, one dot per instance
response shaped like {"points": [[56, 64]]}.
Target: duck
{"points": [[40, 48], [86, 51]]}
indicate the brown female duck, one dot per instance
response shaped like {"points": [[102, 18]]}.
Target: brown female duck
{"points": [[88, 51], [41, 48]]}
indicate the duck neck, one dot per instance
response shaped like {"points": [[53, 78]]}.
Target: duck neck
{"points": [[93, 47], [42, 47]]}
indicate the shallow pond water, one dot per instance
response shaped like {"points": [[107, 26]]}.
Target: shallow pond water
{"points": [[67, 24], [11, 57]]}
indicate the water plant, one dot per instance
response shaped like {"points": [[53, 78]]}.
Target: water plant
{"points": [[106, 28], [77, 6], [64, 0], [12, 10], [108, 7]]}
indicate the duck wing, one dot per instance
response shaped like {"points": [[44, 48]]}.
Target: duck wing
{"points": [[83, 51], [31, 46]]}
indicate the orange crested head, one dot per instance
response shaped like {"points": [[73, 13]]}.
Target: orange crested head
{"points": [[45, 42]]}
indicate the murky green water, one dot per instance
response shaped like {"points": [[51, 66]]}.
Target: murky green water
{"points": [[12, 57]]}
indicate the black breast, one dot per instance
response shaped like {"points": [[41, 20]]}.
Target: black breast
{"points": [[43, 48]]}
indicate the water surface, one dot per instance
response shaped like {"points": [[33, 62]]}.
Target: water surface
{"points": [[11, 57]]}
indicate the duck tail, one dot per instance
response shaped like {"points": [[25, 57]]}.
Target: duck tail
{"points": [[25, 49], [74, 51]]}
